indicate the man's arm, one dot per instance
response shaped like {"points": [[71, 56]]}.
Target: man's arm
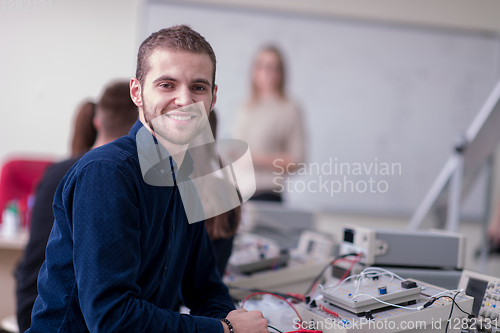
{"points": [[205, 294], [107, 254], [34, 254], [202, 289]]}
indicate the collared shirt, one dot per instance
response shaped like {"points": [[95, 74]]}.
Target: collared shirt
{"points": [[119, 251]]}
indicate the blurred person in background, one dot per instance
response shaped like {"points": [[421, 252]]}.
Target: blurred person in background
{"points": [[84, 132], [271, 124], [494, 231], [95, 125], [221, 228]]}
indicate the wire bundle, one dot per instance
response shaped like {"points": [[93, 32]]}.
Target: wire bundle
{"points": [[357, 257]]}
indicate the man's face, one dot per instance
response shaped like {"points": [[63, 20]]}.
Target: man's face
{"points": [[177, 96]]}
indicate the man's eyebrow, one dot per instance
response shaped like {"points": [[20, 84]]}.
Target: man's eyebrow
{"points": [[168, 78], [204, 81], [164, 78]]}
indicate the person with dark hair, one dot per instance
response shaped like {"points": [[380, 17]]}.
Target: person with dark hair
{"points": [[121, 249], [114, 116], [493, 233], [222, 228], [116, 113], [271, 124], [84, 133]]}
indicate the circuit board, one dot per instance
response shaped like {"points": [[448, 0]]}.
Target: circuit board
{"points": [[322, 315], [361, 295]]}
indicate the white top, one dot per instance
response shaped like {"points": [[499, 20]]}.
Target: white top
{"points": [[272, 126]]}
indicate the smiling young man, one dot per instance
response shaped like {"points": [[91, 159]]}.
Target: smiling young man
{"points": [[121, 249]]}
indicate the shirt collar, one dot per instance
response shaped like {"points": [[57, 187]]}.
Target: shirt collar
{"points": [[153, 157]]}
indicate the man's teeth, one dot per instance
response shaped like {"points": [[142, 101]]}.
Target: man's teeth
{"points": [[180, 117]]}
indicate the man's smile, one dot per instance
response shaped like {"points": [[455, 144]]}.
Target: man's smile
{"points": [[183, 116], [180, 118]]}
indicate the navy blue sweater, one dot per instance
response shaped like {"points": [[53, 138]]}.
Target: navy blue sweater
{"points": [[120, 249]]}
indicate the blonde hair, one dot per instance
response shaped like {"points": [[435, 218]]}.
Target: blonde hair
{"points": [[281, 65]]}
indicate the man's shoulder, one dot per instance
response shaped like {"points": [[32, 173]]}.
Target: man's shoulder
{"points": [[121, 152], [57, 170]]}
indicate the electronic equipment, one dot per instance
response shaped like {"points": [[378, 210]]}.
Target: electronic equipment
{"points": [[336, 312], [294, 278], [405, 248], [276, 221], [314, 245], [367, 293], [253, 253], [258, 263], [486, 292], [444, 278]]}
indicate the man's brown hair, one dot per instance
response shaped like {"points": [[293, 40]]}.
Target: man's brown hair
{"points": [[180, 38], [117, 111]]}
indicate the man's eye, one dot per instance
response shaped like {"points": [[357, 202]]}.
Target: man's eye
{"points": [[166, 85], [199, 88]]}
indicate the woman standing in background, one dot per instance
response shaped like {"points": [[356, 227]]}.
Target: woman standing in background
{"points": [[271, 124]]}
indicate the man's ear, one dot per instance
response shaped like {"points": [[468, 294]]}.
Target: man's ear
{"points": [[135, 92], [214, 97], [97, 121]]}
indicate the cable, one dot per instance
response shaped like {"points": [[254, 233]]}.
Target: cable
{"points": [[372, 272], [342, 282], [296, 297], [331, 263], [274, 328], [451, 312], [277, 296], [382, 270], [353, 262], [446, 291], [367, 272], [429, 303], [469, 314]]}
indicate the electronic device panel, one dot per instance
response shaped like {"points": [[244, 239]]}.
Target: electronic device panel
{"points": [[365, 295], [398, 247], [486, 292], [324, 315]]}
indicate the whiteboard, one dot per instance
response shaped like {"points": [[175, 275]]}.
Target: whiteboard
{"points": [[370, 94]]}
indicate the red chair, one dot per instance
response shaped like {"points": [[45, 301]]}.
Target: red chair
{"points": [[18, 179]]}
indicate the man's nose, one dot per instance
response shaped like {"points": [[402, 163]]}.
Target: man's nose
{"points": [[183, 97]]}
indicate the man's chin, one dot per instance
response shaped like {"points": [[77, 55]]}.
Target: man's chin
{"points": [[176, 140]]}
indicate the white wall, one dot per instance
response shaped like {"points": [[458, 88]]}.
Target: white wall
{"points": [[53, 58], [462, 14], [368, 92]]}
